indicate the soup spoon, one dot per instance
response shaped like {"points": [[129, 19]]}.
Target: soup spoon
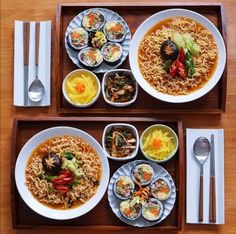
{"points": [[36, 89], [201, 149]]}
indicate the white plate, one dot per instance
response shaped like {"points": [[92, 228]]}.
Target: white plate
{"points": [[109, 15], [115, 202], [27, 196], [153, 20]]}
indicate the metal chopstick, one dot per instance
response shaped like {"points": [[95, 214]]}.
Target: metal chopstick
{"points": [[212, 208], [26, 29]]}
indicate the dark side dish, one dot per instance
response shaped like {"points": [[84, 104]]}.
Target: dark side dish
{"points": [[120, 87], [120, 142]]}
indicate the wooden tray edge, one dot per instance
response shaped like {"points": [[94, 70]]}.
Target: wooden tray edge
{"points": [[137, 112], [141, 4], [13, 190], [223, 25]]}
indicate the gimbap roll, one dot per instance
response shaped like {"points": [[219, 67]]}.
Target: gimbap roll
{"points": [[78, 38], [112, 52], [124, 187], [142, 174], [114, 31], [90, 57], [131, 209], [161, 189], [93, 20], [152, 209]]}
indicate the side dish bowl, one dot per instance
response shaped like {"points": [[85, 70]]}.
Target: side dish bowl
{"points": [[81, 88], [28, 197], [147, 25], [120, 72], [133, 145], [159, 143]]}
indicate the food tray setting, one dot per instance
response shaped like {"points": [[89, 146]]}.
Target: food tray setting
{"points": [[211, 100], [24, 130]]}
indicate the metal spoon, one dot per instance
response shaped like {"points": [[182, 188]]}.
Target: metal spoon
{"points": [[36, 89], [201, 149]]}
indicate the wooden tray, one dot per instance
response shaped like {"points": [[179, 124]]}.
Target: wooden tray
{"points": [[134, 15], [101, 217]]}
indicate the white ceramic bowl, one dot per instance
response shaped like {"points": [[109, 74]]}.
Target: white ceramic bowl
{"points": [[119, 104], [132, 128], [77, 73], [27, 196], [147, 25], [165, 129]]}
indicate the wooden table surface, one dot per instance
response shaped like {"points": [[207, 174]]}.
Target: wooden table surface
{"points": [[46, 10]]}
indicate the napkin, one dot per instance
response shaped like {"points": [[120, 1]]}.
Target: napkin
{"points": [[44, 63], [193, 177]]}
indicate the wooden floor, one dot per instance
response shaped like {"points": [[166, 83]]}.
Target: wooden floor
{"points": [[46, 10]]}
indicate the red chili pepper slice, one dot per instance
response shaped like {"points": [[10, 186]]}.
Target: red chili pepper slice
{"points": [[62, 189], [173, 68], [66, 173], [57, 181], [182, 70], [178, 67], [68, 180]]}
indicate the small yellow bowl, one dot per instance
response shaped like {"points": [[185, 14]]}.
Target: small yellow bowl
{"points": [[159, 143], [81, 88]]}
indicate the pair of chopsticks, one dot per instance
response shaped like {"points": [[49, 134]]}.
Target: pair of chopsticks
{"points": [[26, 39]]}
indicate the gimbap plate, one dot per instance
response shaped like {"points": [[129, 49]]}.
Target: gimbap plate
{"points": [[114, 201], [109, 15]]}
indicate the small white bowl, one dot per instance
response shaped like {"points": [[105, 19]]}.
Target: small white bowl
{"points": [[171, 133], [132, 128], [119, 104], [77, 73]]}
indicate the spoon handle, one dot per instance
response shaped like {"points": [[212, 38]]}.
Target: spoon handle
{"points": [[200, 210], [37, 29]]}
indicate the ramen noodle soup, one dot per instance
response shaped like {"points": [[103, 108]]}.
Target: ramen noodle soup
{"points": [[63, 172], [177, 56]]}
